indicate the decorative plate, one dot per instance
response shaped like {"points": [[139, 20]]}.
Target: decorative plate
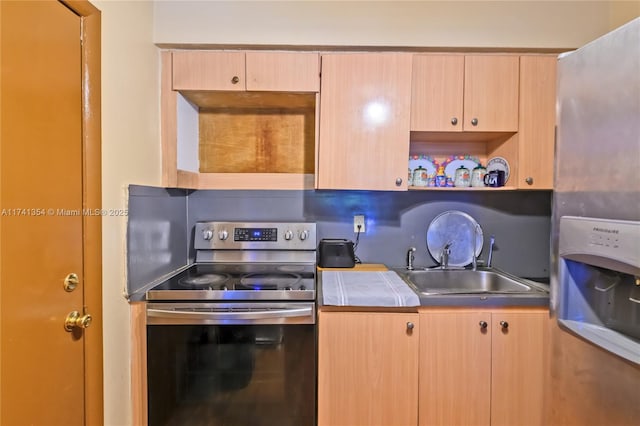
{"points": [[455, 161], [457, 229], [499, 163], [426, 162]]}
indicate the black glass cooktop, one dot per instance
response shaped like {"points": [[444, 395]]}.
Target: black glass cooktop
{"points": [[245, 281]]}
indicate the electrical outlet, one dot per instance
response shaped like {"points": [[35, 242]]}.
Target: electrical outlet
{"points": [[358, 223]]}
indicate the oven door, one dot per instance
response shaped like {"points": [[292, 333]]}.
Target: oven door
{"points": [[231, 364]]}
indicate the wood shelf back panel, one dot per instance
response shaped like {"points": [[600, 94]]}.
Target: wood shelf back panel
{"points": [[482, 145], [257, 141], [440, 151]]}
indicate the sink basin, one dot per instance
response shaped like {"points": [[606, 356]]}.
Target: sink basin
{"points": [[464, 281]]}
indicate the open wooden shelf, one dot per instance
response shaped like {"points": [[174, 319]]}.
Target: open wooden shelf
{"points": [[297, 181]]}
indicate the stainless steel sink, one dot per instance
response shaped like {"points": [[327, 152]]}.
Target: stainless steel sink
{"points": [[465, 281]]}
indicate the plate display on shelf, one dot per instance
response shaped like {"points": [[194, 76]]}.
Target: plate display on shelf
{"points": [[425, 161], [499, 163], [455, 161]]}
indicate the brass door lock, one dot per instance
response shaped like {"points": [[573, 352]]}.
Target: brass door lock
{"points": [[71, 281]]}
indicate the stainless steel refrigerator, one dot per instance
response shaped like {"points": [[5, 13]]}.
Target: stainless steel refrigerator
{"points": [[595, 282]]}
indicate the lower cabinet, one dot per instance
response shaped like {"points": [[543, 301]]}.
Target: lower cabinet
{"points": [[439, 367], [368, 368], [482, 367]]}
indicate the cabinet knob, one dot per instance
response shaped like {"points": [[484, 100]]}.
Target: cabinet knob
{"points": [[474, 121], [483, 324], [529, 180], [235, 79], [410, 325], [454, 121], [398, 181], [504, 325]]}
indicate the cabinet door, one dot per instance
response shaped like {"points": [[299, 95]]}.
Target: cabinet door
{"points": [[491, 93], [283, 71], [367, 369], [436, 93], [536, 135], [455, 368], [519, 365], [364, 121], [202, 70]]}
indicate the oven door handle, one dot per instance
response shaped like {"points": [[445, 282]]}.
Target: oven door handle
{"points": [[303, 314]]}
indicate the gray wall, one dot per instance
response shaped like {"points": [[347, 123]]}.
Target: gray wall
{"points": [[395, 221], [160, 228]]}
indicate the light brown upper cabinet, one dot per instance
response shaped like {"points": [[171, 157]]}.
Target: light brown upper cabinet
{"points": [[471, 93], [253, 71], [537, 121], [283, 71], [239, 120], [364, 121], [437, 91]]}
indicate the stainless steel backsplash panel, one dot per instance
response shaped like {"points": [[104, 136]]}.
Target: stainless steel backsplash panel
{"points": [[156, 234]]}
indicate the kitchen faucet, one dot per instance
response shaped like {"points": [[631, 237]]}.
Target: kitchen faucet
{"points": [[410, 258], [444, 256]]}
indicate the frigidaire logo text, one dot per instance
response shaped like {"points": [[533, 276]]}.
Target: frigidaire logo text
{"points": [[606, 231]]}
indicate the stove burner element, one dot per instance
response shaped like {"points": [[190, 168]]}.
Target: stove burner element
{"points": [[203, 280], [291, 268], [269, 281]]}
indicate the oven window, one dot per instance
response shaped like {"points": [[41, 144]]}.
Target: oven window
{"points": [[231, 375]]}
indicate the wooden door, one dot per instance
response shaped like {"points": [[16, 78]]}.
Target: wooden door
{"points": [[455, 368], [44, 234], [536, 134], [364, 121], [437, 93], [202, 70], [367, 369], [519, 368], [491, 93]]}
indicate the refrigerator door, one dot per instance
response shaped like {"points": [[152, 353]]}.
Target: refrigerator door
{"points": [[597, 164], [596, 177]]}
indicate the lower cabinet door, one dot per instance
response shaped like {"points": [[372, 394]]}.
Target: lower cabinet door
{"points": [[483, 367], [455, 368], [519, 367], [367, 369]]}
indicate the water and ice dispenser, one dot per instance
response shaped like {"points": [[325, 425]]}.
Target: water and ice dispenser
{"points": [[599, 282]]}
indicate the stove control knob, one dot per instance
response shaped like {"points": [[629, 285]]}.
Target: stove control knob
{"points": [[223, 235], [302, 287], [304, 234], [207, 234], [288, 235]]}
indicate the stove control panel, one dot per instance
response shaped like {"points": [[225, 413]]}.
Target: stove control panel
{"points": [[255, 236]]}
